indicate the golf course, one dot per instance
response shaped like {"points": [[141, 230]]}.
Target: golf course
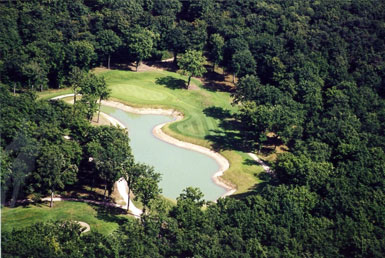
{"points": [[203, 110], [192, 128], [154, 89]]}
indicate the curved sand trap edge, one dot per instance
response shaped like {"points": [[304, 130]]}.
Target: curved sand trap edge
{"points": [[157, 132], [85, 227]]}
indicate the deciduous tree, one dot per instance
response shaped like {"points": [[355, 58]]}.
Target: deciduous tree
{"points": [[56, 168], [192, 64], [146, 185], [242, 63], [107, 43], [216, 46], [140, 45], [109, 149]]}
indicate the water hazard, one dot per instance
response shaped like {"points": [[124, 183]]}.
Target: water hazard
{"points": [[179, 167]]}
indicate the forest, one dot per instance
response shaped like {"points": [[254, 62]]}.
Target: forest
{"points": [[309, 75]]}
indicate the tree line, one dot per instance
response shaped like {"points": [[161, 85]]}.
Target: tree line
{"points": [[310, 76], [47, 146]]}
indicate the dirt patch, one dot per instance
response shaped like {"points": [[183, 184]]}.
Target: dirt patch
{"points": [[193, 87], [102, 120]]}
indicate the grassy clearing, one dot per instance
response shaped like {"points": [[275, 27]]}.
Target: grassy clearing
{"points": [[100, 219], [53, 93], [243, 171], [165, 89], [203, 110]]}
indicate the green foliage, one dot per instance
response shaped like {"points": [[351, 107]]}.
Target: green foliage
{"points": [[247, 89], [242, 63], [108, 148], [107, 43], [146, 186], [5, 172], [35, 74], [312, 75], [57, 239], [140, 45], [192, 64], [57, 167], [301, 170], [43, 240], [257, 122], [93, 88], [167, 7], [81, 54], [216, 44], [193, 195]]}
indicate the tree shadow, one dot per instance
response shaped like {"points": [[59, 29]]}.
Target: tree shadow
{"points": [[217, 86], [259, 188], [163, 65], [216, 82], [234, 135], [229, 136], [81, 192], [109, 213], [217, 112], [122, 66], [171, 82], [250, 162], [272, 145], [225, 140]]}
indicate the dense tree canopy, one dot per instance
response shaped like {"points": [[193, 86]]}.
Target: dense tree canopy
{"points": [[311, 77]]}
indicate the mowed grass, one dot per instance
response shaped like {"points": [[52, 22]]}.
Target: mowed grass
{"points": [[157, 89], [150, 89], [99, 219], [163, 89]]}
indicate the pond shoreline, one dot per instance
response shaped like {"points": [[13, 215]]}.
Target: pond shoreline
{"points": [[158, 132]]}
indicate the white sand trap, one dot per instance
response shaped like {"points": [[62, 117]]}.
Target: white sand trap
{"points": [[84, 226]]}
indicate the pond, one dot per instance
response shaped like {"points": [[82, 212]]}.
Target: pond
{"points": [[179, 167]]}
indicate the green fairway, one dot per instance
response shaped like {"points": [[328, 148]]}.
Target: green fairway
{"points": [[203, 112], [164, 89], [99, 218]]}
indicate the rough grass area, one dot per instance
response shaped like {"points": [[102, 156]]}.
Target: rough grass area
{"points": [[208, 115], [53, 93], [101, 219]]}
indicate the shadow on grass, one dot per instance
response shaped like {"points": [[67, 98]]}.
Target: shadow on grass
{"points": [[259, 188], [217, 112], [216, 82], [122, 66], [110, 214], [81, 192], [171, 82], [232, 135], [168, 66], [217, 86], [229, 136]]}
